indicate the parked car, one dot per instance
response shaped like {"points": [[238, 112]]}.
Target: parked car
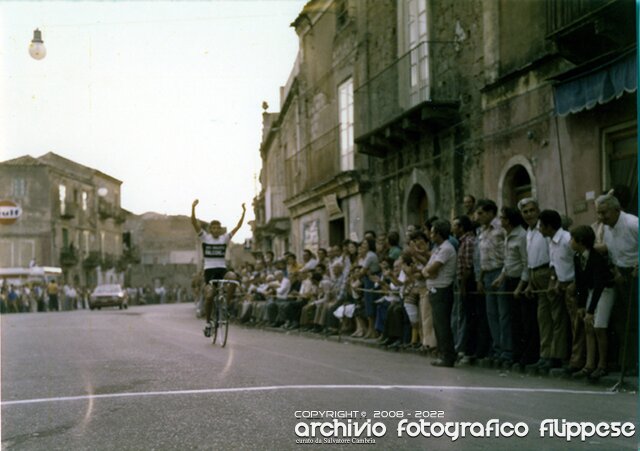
{"points": [[108, 295]]}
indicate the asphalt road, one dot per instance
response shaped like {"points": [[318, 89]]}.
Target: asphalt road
{"points": [[146, 378]]}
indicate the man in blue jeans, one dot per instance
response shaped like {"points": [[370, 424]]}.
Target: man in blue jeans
{"points": [[491, 243]]}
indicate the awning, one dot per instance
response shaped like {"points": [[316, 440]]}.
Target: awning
{"points": [[597, 85]]}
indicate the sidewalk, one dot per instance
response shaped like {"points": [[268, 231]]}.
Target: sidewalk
{"points": [[609, 381]]}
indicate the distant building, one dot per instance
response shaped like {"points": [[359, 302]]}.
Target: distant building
{"points": [[165, 247], [70, 217]]}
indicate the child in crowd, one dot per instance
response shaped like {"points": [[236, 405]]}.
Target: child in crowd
{"points": [[595, 296]]}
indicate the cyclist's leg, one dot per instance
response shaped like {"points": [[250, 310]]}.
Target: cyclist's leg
{"points": [[211, 290], [208, 302], [229, 291], [208, 294]]}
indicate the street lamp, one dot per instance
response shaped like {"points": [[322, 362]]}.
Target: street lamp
{"points": [[36, 48]]}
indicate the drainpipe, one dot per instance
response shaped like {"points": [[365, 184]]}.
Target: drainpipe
{"points": [[564, 189]]}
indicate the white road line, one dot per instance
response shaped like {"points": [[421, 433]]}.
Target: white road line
{"points": [[301, 387]]}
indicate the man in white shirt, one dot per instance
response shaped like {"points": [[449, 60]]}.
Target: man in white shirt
{"points": [[440, 273], [280, 291], [562, 302], [309, 261], [537, 348], [621, 244]]}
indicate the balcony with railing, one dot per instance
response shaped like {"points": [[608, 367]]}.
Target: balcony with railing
{"points": [[314, 164], [69, 210], [68, 256], [418, 88], [119, 215], [105, 209], [584, 30]]}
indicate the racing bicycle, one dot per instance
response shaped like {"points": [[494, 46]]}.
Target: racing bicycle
{"points": [[220, 323]]}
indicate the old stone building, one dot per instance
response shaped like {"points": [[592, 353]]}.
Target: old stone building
{"points": [[559, 102], [272, 225], [441, 98], [318, 196], [70, 218], [166, 250], [417, 103]]}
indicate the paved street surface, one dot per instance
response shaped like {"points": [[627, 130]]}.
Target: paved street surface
{"points": [[146, 378]]}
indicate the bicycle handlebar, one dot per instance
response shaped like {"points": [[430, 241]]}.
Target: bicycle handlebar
{"points": [[223, 281]]}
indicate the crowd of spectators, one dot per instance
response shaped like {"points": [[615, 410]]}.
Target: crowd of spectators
{"points": [[45, 297], [40, 297], [517, 288]]}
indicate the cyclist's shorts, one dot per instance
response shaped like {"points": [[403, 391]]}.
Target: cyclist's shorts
{"points": [[214, 273]]}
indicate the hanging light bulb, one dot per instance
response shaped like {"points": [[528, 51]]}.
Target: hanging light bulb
{"points": [[36, 48]]}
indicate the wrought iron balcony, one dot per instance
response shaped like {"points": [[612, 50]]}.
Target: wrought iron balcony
{"points": [[420, 86], [105, 209], [69, 211], [91, 261], [119, 215], [68, 256], [584, 30], [562, 13]]}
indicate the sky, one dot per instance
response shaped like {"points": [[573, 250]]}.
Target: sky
{"points": [[164, 96]]}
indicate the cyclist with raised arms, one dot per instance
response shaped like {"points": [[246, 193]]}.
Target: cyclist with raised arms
{"points": [[214, 247]]}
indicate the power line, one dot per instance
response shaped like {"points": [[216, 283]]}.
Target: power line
{"points": [[48, 27]]}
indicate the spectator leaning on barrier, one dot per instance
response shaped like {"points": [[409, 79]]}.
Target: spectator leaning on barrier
{"points": [[368, 260], [419, 251], [474, 340], [491, 244], [513, 280], [536, 345], [556, 317], [411, 297], [621, 244], [594, 301], [392, 282]]}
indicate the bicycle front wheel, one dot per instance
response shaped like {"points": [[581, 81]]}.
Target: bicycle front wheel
{"points": [[221, 326]]}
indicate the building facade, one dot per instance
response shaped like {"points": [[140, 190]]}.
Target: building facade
{"points": [[559, 103], [70, 218], [417, 103], [318, 196], [164, 248], [396, 109]]}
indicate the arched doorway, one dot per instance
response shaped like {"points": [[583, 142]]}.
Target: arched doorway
{"points": [[417, 205], [516, 185]]}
